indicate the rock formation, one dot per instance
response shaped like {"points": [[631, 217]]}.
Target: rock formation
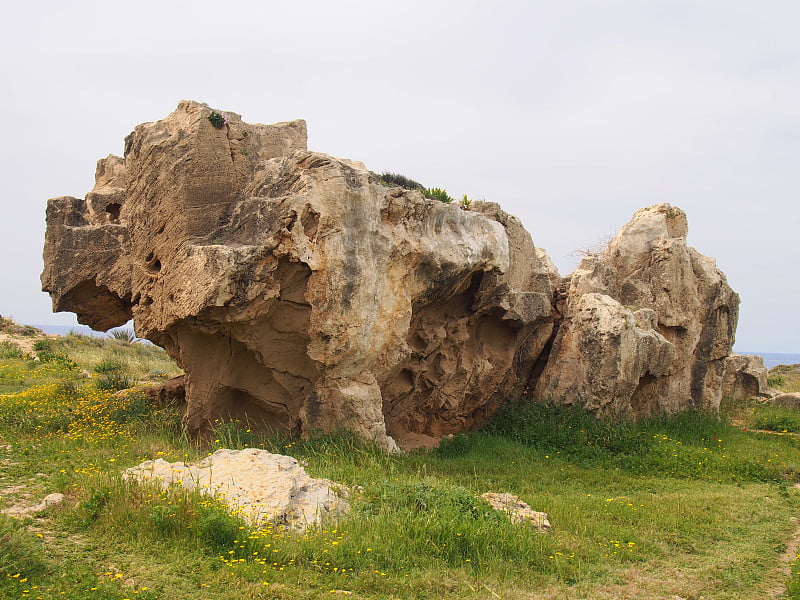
{"points": [[299, 293], [293, 288], [745, 376], [648, 324]]}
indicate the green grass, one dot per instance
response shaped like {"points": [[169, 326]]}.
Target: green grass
{"points": [[10, 350], [785, 378], [684, 506]]}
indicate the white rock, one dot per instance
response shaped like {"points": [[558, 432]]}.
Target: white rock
{"points": [[256, 484], [517, 510], [20, 510]]}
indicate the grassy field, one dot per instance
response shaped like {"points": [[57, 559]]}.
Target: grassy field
{"points": [[689, 507]]}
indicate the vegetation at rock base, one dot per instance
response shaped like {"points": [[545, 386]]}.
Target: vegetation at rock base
{"points": [[688, 506]]}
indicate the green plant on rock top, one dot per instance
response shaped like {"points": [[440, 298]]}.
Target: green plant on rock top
{"points": [[390, 179], [217, 120], [437, 194], [776, 381]]}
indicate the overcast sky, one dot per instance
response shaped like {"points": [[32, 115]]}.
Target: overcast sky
{"points": [[570, 114]]}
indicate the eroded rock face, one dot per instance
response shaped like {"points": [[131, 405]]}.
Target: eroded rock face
{"points": [[648, 324], [294, 289]]}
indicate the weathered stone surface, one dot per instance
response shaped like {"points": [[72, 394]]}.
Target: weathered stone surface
{"points": [[745, 376], [662, 345], [171, 391], [294, 289], [517, 510], [24, 510], [604, 355], [259, 486]]}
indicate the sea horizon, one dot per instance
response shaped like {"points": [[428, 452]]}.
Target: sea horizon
{"points": [[773, 359]]}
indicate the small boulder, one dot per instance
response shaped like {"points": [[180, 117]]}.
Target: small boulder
{"points": [[172, 390], [745, 376], [257, 485], [517, 510], [20, 510], [790, 401]]}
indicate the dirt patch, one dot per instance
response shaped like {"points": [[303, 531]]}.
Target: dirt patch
{"points": [[25, 343]]}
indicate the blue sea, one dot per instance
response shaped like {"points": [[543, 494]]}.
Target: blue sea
{"points": [[67, 329], [772, 359]]}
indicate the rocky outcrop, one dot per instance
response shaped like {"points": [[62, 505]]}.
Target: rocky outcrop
{"points": [[745, 377], [294, 289], [258, 486], [302, 295], [647, 326]]}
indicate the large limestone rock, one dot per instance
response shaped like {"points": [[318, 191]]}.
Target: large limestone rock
{"points": [[300, 294], [259, 486], [294, 289], [647, 326], [745, 377]]}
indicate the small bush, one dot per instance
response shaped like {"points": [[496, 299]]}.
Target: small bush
{"points": [[777, 419], [90, 509], [124, 336], [42, 345], [218, 530], [10, 350], [551, 426], [400, 180], [235, 435], [458, 445], [46, 356], [135, 408], [217, 120], [776, 381], [423, 497], [112, 376], [119, 507]]}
